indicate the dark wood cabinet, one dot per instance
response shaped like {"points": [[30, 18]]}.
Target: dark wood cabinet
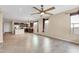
{"points": [[31, 24], [27, 27]]}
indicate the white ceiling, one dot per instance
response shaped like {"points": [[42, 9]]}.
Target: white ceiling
{"points": [[23, 12]]}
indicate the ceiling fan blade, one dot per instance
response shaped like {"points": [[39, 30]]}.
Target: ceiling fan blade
{"points": [[49, 9], [34, 13], [49, 13], [37, 9]]}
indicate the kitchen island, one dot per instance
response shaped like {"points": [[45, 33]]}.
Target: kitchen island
{"points": [[19, 31]]}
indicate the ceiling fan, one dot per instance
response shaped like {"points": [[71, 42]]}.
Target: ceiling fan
{"points": [[43, 11]]}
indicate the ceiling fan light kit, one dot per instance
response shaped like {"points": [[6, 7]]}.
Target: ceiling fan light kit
{"points": [[42, 13]]}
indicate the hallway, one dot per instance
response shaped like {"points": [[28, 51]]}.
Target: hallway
{"points": [[31, 43]]}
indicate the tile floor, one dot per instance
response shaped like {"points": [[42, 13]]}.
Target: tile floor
{"points": [[31, 43]]}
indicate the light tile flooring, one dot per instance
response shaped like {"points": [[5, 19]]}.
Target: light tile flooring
{"points": [[31, 43]]}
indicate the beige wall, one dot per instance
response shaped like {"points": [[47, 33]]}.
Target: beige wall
{"points": [[7, 26], [59, 27], [1, 28], [40, 26]]}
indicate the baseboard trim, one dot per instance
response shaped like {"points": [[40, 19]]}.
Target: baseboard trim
{"points": [[57, 39]]}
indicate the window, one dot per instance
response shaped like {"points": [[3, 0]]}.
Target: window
{"points": [[46, 25], [35, 23], [46, 21], [75, 24], [36, 27]]}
